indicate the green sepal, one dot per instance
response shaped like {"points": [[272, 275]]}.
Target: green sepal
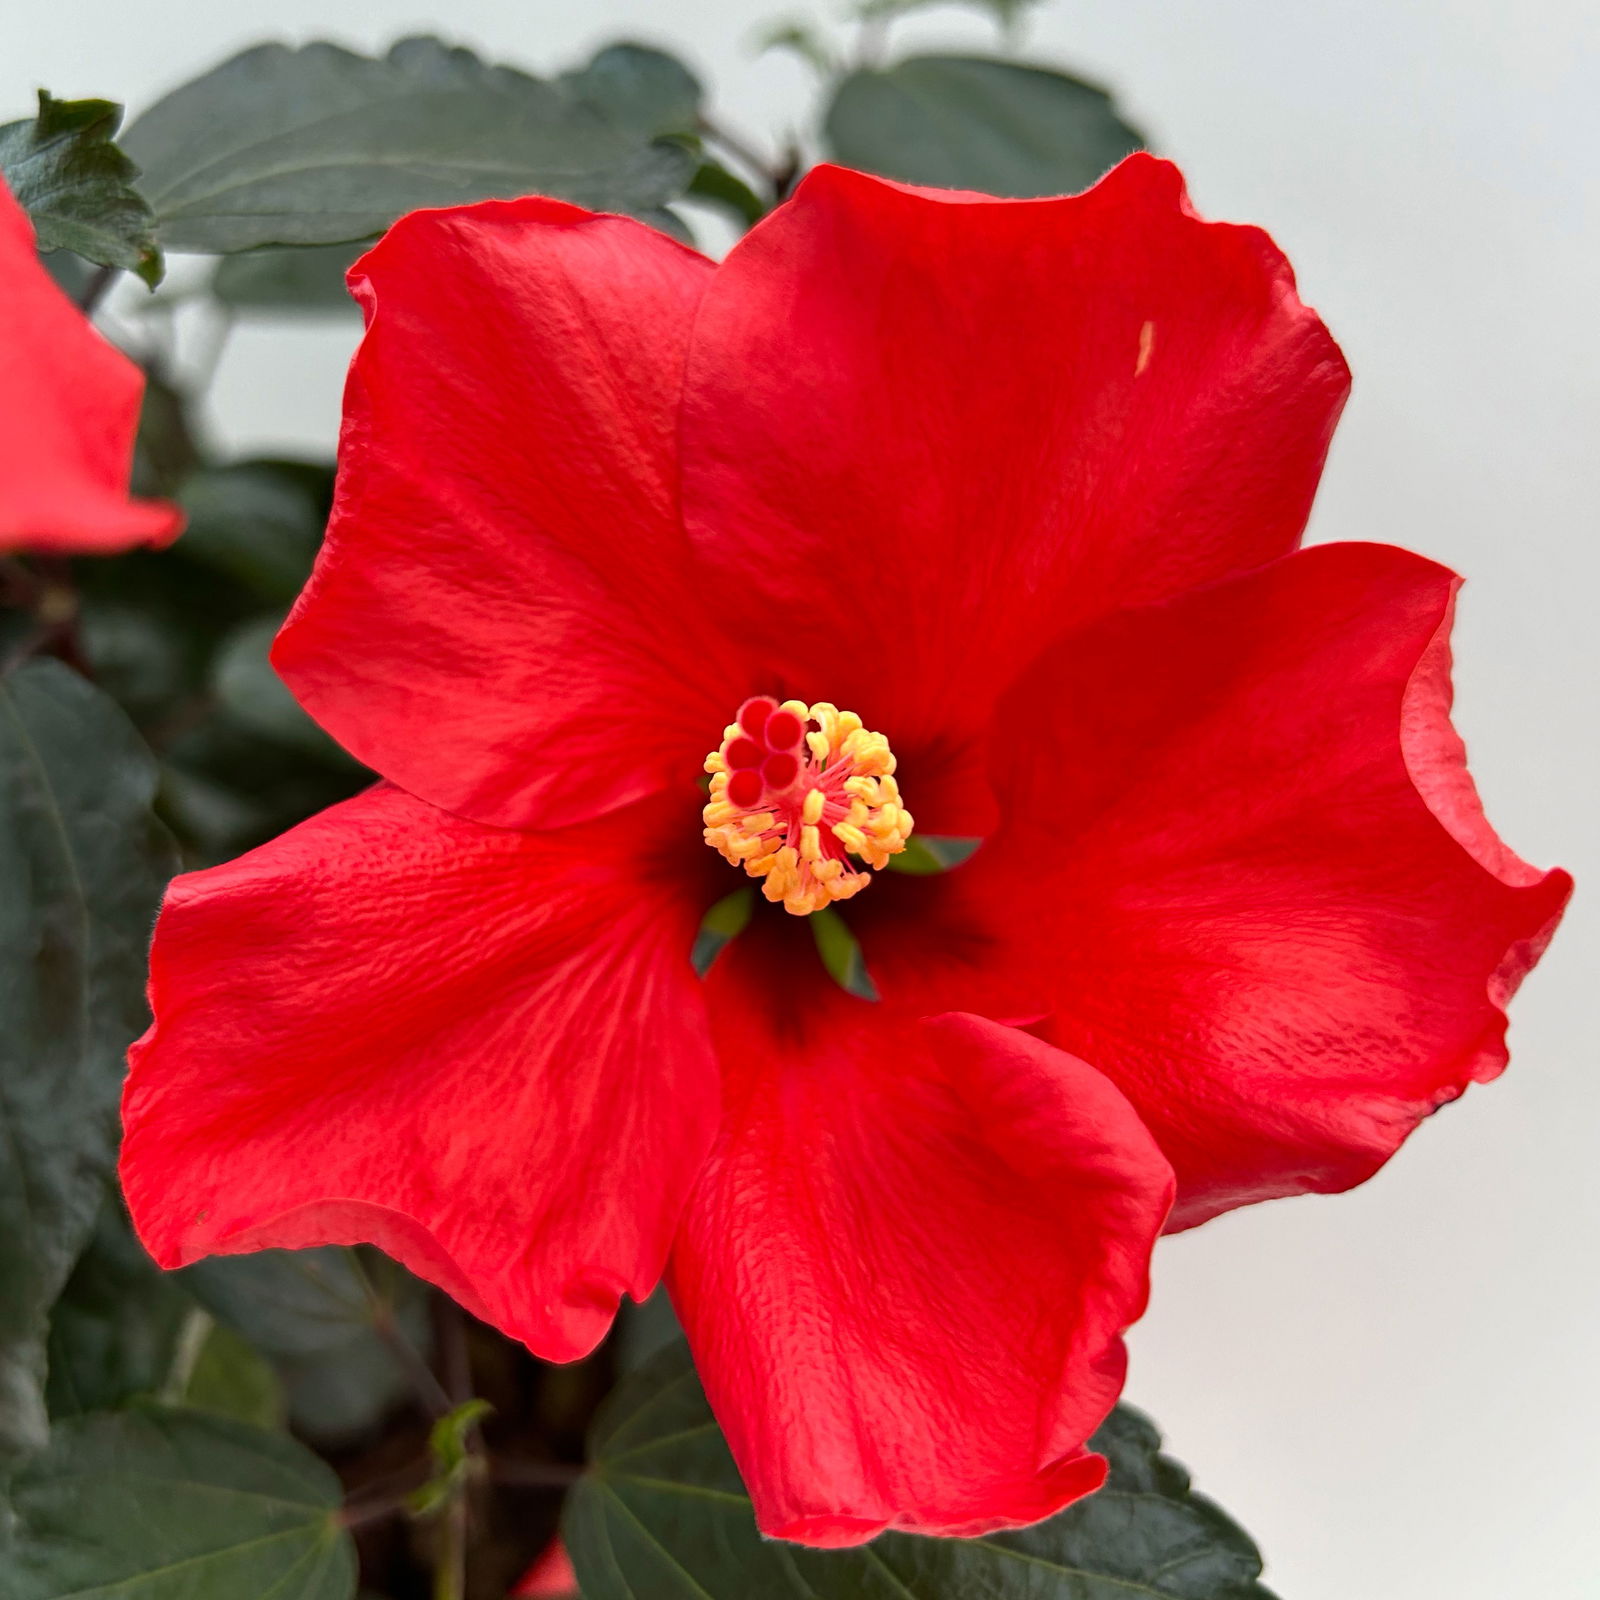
{"points": [[928, 853], [722, 924], [841, 954]]}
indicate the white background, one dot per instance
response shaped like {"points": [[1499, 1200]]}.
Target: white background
{"points": [[1395, 1390]]}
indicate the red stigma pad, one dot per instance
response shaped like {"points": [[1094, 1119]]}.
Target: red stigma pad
{"points": [[780, 771], [783, 730], [744, 789], [754, 712], [745, 754]]}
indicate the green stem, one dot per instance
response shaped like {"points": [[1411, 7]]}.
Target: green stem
{"points": [[455, 1365], [94, 290], [192, 1336], [741, 150], [450, 1563]]}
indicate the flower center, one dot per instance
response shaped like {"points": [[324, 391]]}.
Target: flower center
{"points": [[800, 795]]}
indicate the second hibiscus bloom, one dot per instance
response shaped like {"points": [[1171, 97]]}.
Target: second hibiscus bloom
{"points": [[71, 406], [919, 503]]}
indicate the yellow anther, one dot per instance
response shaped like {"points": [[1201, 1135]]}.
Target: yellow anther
{"points": [[850, 836], [797, 839]]}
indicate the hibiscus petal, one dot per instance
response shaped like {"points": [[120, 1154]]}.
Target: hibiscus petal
{"points": [[926, 432], [71, 408], [501, 620], [1274, 913], [906, 1270], [484, 1051]]}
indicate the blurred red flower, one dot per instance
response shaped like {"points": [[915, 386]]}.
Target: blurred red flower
{"points": [[550, 1577], [1021, 482], [69, 409]]}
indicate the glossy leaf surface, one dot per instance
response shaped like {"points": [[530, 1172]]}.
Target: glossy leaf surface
{"points": [[77, 186], [966, 122], [169, 1504], [318, 145]]}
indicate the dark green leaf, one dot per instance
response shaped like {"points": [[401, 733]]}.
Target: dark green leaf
{"points": [[259, 522], [211, 815], [139, 657], [229, 790], [967, 122], [314, 1313], [645, 1328], [725, 921], [230, 1379], [114, 1333], [287, 1302], [317, 145], [308, 280], [928, 853], [639, 88], [337, 1396], [82, 864], [841, 954], [77, 186], [250, 691], [661, 1513], [70, 273], [166, 1504]]}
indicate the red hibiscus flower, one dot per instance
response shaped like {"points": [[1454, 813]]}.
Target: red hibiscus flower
{"points": [[1018, 483], [71, 406]]}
